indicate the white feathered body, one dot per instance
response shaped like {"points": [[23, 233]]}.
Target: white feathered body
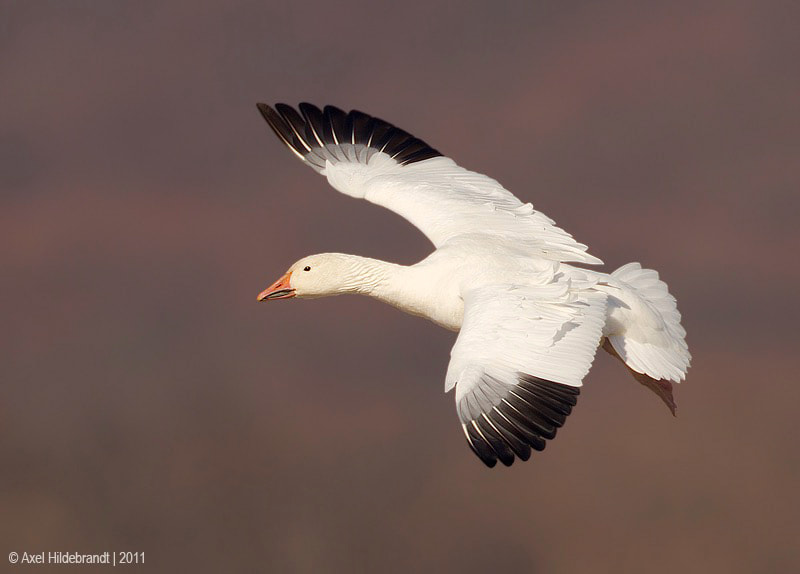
{"points": [[640, 316]]}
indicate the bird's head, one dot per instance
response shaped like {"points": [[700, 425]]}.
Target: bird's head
{"points": [[314, 276]]}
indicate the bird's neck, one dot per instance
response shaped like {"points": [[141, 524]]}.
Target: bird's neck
{"points": [[387, 282], [411, 289], [375, 278]]}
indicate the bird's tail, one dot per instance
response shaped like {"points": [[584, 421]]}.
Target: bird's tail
{"points": [[644, 330]]}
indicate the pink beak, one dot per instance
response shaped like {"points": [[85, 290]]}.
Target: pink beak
{"points": [[281, 289]]}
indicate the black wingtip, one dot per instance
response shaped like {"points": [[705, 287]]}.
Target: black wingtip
{"points": [[321, 132], [266, 111], [528, 414], [282, 129]]}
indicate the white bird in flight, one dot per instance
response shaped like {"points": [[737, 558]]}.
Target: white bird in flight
{"points": [[529, 321]]}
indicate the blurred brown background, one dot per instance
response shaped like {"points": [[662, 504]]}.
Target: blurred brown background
{"points": [[148, 403]]}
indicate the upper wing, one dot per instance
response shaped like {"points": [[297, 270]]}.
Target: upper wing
{"points": [[518, 363], [366, 157]]}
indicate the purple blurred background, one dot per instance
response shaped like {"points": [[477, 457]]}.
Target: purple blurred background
{"points": [[148, 403]]}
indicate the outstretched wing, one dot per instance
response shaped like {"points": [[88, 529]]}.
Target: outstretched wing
{"points": [[518, 363], [366, 157]]}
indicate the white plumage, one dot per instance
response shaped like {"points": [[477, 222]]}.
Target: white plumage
{"points": [[529, 321], [445, 201]]}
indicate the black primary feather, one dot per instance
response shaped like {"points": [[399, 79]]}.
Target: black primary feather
{"points": [[331, 134], [527, 415]]}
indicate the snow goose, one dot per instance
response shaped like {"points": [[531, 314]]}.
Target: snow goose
{"points": [[502, 275]]}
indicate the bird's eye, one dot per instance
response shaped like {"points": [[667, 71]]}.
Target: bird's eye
{"points": [[306, 268]]}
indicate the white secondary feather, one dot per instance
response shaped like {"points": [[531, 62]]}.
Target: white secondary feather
{"points": [[548, 331]]}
